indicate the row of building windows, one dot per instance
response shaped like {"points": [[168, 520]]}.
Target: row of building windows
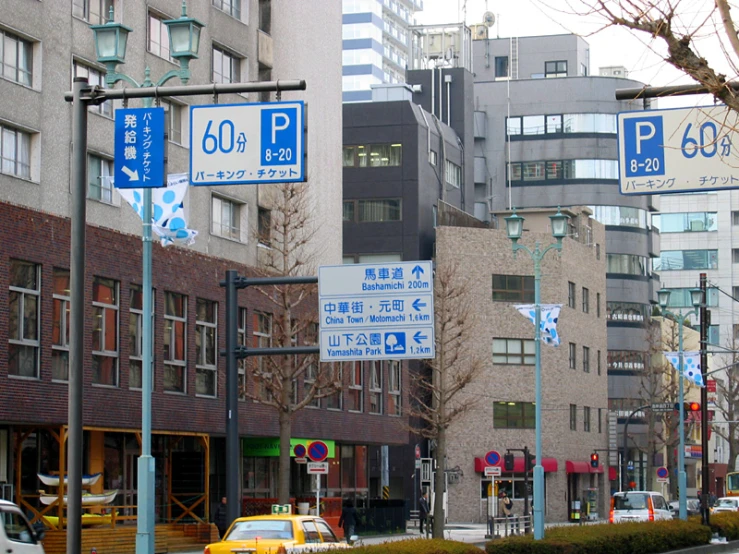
{"points": [[373, 211], [17, 53], [555, 170], [372, 155], [522, 352], [621, 216], [24, 332], [627, 264], [685, 222], [561, 123], [676, 260], [555, 68], [585, 301], [522, 415]]}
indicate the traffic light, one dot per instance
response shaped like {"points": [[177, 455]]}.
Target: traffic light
{"points": [[531, 463], [594, 459], [508, 461], [688, 407]]}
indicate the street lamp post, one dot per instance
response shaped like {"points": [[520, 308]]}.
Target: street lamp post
{"points": [[110, 45], [514, 228], [696, 298]]}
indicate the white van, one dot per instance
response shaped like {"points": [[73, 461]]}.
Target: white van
{"points": [[638, 506], [16, 534]]}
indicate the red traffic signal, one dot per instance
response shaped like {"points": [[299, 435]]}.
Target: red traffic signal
{"points": [[692, 406], [594, 459]]}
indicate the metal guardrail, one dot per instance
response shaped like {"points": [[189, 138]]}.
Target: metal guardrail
{"points": [[499, 527]]}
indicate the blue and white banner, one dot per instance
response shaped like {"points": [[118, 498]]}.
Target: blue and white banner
{"points": [[168, 220], [691, 366], [549, 317]]}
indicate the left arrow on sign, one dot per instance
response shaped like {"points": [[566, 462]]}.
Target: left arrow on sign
{"points": [[132, 175], [419, 337]]}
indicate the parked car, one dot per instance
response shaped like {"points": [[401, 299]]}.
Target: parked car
{"points": [[726, 504], [16, 534], [277, 534], [693, 505], [638, 506]]}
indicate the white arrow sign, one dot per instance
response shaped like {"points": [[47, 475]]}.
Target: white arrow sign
{"points": [[132, 175]]}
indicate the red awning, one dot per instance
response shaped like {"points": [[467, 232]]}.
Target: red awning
{"points": [[612, 475], [549, 464], [582, 467]]}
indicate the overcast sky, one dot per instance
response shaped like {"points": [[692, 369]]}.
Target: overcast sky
{"points": [[611, 46]]}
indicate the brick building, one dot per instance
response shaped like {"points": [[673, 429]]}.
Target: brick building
{"points": [[574, 377]]}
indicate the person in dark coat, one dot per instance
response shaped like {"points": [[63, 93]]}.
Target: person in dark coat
{"points": [[424, 509], [348, 519], [221, 518]]}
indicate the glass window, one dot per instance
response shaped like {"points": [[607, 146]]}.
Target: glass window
{"points": [[206, 322], [555, 69], [136, 336], [573, 356], [513, 288], [571, 294], [375, 386], [105, 332], [349, 211], [626, 264], [534, 125], [586, 359], [261, 338], [264, 226], [554, 123], [379, 210], [174, 129], [355, 398], [94, 12], [226, 218], [554, 170], [225, 67], [573, 417], [688, 222], [619, 215], [393, 388], [514, 415], [175, 342], [15, 152], [515, 172], [453, 174], [60, 326], [16, 58], [99, 178], [159, 37], [586, 419], [533, 171], [501, 66], [372, 155], [326, 533], [514, 126], [23, 319], [675, 260], [348, 156], [17, 531], [514, 351], [231, 7], [94, 78], [585, 300], [335, 401]]}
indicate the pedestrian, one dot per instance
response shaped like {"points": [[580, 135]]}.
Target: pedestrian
{"points": [[221, 518], [423, 512], [348, 519], [507, 507]]}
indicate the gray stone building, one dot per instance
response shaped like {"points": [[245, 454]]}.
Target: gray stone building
{"points": [[574, 378], [545, 135], [49, 43]]}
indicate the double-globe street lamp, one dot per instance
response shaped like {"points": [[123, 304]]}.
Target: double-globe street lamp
{"points": [[696, 298], [110, 45], [514, 228]]}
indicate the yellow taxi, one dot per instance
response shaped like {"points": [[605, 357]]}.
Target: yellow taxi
{"points": [[277, 534]]}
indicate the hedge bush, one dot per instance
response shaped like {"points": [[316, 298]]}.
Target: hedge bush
{"points": [[634, 538], [417, 546], [726, 524]]}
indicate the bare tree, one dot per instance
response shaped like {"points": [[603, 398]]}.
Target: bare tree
{"points": [[286, 231], [727, 405], [435, 398], [680, 33]]}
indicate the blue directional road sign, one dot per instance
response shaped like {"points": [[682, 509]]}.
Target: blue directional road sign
{"points": [[241, 144], [678, 150], [376, 311], [139, 148]]}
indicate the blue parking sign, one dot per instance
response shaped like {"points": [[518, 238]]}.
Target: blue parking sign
{"points": [[279, 136], [139, 148], [644, 146]]}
